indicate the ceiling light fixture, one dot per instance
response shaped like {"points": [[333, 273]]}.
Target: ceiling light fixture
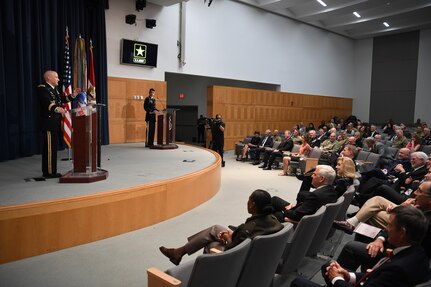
{"points": [[357, 14], [322, 3], [386, 24]]}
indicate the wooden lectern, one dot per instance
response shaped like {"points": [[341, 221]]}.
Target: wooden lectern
{"points": [[166, 121], [85, 147]]}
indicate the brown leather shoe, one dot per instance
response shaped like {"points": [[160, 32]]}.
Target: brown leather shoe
{"points": [[174, 256], [343, 226]]}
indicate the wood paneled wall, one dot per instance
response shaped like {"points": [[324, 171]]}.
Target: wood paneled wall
{"points": [[126, 114], [247, 110]]}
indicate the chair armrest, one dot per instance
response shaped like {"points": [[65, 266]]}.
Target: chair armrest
{"points": [[287, 219], [215, 251], [158, 278]]}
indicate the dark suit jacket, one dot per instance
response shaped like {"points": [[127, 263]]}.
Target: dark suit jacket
{"points": [[285, 145], [426, 242], [269, 142], [417, 174], [309, 202], [254, 226], [407, 268]]}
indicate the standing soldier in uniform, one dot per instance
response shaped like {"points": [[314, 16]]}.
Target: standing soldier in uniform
{"points": [[150, 116]]}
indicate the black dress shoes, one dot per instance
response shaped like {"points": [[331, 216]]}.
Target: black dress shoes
{"points": [[262, 166], [343, 226], [255, 163], [267, 168]]}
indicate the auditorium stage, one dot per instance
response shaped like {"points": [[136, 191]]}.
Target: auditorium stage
{"points": [[128, 165], [144, 186]]}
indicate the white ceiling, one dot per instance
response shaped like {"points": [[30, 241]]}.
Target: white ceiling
{"points": [[337, 16]]}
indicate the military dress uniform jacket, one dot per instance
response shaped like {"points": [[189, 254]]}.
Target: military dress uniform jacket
{"points": [[49, 100], [150, 107]]}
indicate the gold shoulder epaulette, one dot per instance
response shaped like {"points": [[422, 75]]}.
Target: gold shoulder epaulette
{"points": [[41, 85]]}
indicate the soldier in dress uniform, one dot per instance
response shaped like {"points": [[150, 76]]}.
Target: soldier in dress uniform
{"points": [[150, 116]]}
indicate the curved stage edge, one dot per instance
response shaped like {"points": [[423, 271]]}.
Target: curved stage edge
{"points": [[36, 228]]}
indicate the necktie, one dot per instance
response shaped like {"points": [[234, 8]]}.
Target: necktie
{"points": [[264, 141], [389, 254]]}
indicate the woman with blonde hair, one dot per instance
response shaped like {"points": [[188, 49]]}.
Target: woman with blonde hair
{"points": [[304, 151], [346, 174]]}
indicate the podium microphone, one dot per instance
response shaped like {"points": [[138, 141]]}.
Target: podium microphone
{"points": [[164, 108]]}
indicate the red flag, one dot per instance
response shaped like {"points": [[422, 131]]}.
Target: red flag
{"points": [[67, 91], [91, 78]]}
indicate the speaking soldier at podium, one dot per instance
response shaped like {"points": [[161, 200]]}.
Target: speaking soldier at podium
{"points": [[150, 116], [51, 111]]}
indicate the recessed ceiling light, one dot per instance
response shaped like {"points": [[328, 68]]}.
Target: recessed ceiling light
{"points": [[357, 14], [386, 24], [322, 3]]}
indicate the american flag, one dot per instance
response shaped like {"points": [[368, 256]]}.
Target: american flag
{"points": [[67, 91]]}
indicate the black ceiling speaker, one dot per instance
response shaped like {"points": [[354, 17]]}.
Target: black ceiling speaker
{"points": [[141, 4], [150, 23], [131, 19]]}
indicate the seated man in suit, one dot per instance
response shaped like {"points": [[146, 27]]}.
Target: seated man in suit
{"points": [[261, 222], [308, 202], [409, 181], [399, 184], [406, 266], [266, 142], [270, 155], [355, 253], [406, 181], [314, 140], [426, 138], [375, 147]]}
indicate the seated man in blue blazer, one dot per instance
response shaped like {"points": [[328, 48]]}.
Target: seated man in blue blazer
{"points": [[406, 266]]}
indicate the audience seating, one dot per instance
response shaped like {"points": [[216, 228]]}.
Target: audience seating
{"points": [[263, 257], [209, 270], [298, 245], [424, 284], [239, 146], [334, 237], [426, 149], [367, 160], [312, 158], [332, 210], [362, 156], [388, 157]]}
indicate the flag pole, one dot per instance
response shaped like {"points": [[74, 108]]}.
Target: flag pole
{"points": [[67, 91]]}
